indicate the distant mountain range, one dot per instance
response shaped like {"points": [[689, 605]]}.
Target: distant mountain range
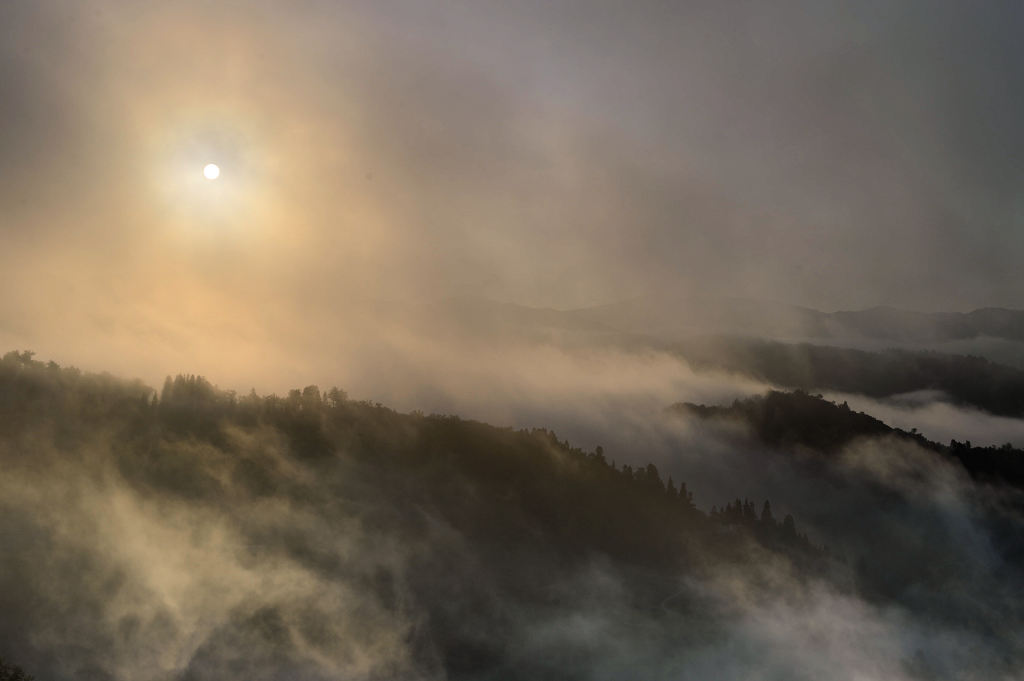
{"points": [[974, 359], [995, 334], [676, 317], [963, 380], [672, 318], [787, 419]]}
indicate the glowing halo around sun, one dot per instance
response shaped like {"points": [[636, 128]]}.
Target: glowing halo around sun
{"points": [[209, 179]]}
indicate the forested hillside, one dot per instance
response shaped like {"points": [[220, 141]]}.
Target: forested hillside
{"points": [[471, 531], [964, 380], [798, 419], [191, 533]]}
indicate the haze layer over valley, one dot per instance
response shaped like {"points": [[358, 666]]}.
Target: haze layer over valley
{"points": [[670, 340], [196, 534]]}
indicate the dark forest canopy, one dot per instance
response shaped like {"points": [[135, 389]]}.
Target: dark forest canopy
{"points": [[784, 420], [517, 498], [12, 672], [454, 539], [581, 497], [963, 379]]}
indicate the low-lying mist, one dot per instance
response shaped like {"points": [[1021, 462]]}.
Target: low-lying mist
{"points": [[202, 536]]}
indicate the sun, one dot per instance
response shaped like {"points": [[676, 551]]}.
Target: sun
{"points": [[211, 171]]}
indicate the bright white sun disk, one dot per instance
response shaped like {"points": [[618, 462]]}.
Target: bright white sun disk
{"points": [[211, 171]]}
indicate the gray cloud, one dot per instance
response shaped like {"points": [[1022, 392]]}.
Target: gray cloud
{"points": [[838, 155]]}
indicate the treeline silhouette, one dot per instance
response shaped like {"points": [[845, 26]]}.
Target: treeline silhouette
{"points": [[766, 526], [529, 478], [874, 493], [12, 672], [785, 419], [523, 502], [964, 379]]}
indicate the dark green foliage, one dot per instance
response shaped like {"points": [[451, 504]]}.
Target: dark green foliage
{"points": [[11, 672], [527, 508], [1003, 463], [65, 398], [495, 485], [496, 528], [967, 380], [766, 528], [787, 419]]}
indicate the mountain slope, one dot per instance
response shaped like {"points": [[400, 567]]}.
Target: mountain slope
{"points": [[797, 419], [964, 380], [314, 535], [195, 534], [672, 317]]}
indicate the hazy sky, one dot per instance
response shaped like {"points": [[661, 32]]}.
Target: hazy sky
{"points": [[831, 154]]}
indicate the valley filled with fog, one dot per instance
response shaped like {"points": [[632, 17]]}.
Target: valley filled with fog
{"points": [[612, 522], [483, 341]]}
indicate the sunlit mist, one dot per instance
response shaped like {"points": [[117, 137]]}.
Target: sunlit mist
{"points": [[584, 340]]}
